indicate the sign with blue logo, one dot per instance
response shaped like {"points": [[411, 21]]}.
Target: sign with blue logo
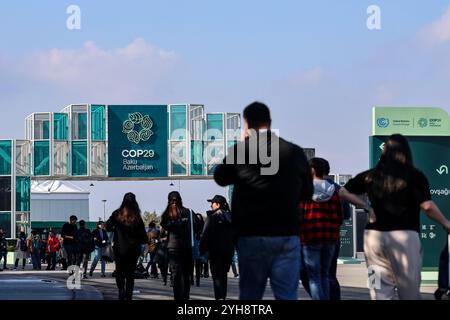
{"points": [[137, 138], [383, 122]]}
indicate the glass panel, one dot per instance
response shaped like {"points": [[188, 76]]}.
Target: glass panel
{"points": [[79, 122], [23, 158], [61, 158], [5, 194], [214, 126], [29, 128], [5, 223], [197, 122], [214, 155], [98, 121], [60, 125], [178, 122], [178, 158], [41, 126], [41, 158], [197, 163], [22, 223], [22, 194], [5, 157], [233, 126], [79, 158], [98, 159]]}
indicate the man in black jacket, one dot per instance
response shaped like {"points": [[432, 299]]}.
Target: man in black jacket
{"points": [[68, 234], [270, 177]]}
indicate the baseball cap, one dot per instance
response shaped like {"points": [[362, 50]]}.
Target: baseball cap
{"points": [[218, 199]]}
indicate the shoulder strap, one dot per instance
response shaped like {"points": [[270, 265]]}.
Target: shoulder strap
{"points": [[191, 218]]}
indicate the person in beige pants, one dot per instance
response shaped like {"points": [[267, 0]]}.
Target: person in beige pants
{"points": [[397, 192]]}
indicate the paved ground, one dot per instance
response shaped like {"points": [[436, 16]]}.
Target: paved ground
{"points": [[51, 285]]}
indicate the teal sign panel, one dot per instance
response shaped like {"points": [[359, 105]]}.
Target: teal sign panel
{"points": [[137, 136], [431, 155]]}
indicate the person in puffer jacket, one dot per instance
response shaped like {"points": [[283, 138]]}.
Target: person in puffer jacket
{"points": [[319, 231], [218, 240]]}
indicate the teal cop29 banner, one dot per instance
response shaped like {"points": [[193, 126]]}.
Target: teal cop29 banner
{"points": [[137, 136]]}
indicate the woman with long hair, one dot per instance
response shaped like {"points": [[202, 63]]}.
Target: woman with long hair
{"points": [[129, 234], [397, 192], [177, 221]]}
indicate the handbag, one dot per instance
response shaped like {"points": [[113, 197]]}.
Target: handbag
{"points": [[108, 253]]}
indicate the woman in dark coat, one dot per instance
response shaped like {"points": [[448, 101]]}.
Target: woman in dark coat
{"points": [[129, 235], [176, 220]]}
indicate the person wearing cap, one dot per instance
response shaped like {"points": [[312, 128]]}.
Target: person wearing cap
{"points": [[270, 177], [181, 225], [68, 233], [217, 239]]}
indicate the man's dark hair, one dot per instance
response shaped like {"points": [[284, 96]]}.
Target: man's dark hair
{"points": [[82, 223], [152, 225], [326, 167], [257, 115], [320, 166]]}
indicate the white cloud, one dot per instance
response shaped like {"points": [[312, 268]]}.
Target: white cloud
{"points": [[131, 73], [306, 77], [437, 32]]}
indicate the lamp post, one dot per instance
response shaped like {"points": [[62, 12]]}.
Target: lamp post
{"points": [[104, 210]]}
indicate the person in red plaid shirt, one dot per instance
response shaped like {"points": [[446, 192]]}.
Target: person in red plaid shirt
{"points": [[319, 230]]}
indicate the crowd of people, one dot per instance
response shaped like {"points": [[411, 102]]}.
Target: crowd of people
{"points": [[300, 244]]}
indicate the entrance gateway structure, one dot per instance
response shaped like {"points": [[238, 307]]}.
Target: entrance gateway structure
{"points": [[110, 142]]}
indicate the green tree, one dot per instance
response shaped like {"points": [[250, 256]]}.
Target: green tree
{"points": [[151, 217]]}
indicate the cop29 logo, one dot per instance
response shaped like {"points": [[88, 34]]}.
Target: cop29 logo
{"points": [[383, 122], [138, 127]]}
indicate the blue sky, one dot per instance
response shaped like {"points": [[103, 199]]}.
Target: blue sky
{"points": [[314, 62]]}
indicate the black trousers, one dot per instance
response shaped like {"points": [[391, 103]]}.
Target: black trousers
{"points": [[181, 267], [71, 254], [16, 264], [4, 256], [152, 264], [219, 271], [125, 268], [51, 261]]}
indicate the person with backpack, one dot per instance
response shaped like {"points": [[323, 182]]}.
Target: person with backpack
{"points": [[129, 234], [101, 241], [3, 249], [52, 247], [85, 245], [180, 223], [35, 249], [397, 192], [152, 248], [22, 251], [218, 240]]}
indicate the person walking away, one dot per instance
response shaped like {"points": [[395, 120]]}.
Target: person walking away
{"points": [[266, 189], [85, 245], [35, 250], [319, 231], [218, 241], [397, 191], [181, 227], [197, 256], [101, 241], [68, 234], [162, 255], [3, 250], [22, 251], [129, 234], [53, 246], [152, 247]]}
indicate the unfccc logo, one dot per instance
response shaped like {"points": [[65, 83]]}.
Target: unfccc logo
{"points": [[383, 122], [137, 127], [422, 122]]}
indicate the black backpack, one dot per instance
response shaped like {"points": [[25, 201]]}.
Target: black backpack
{"points": [[86, 241], [23, 244]]}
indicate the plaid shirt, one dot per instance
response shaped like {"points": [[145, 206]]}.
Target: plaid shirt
{"points": [[321, 221]]}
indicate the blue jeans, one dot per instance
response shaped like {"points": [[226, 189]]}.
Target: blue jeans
{"points": [[268, 257], [36, 260], [98, 255], [317, 260]]}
